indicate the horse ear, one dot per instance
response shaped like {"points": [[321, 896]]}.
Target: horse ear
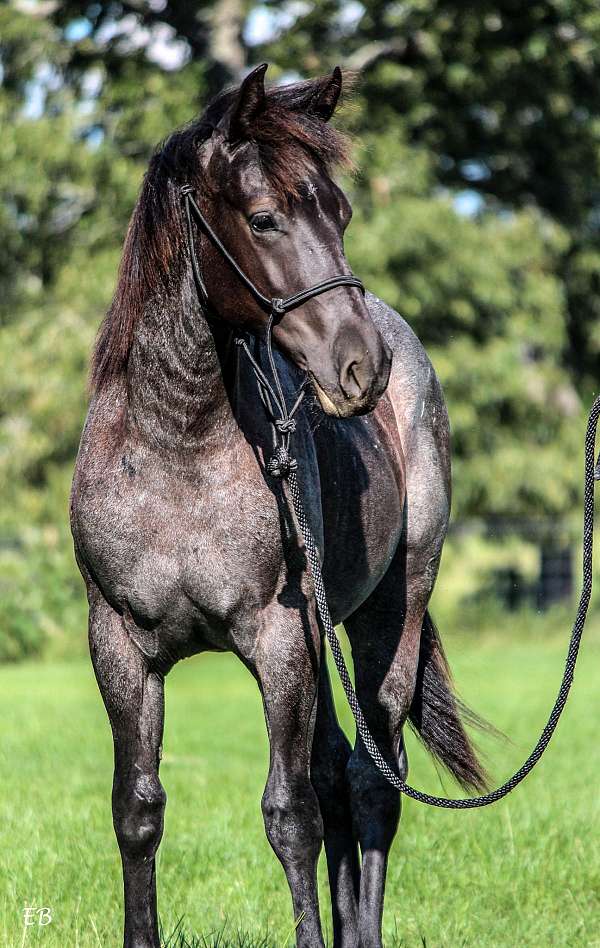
{"points": [[324, 101], [250, 103]]}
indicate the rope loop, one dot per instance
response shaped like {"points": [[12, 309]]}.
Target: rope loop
{"points": [[362, 727], [186, 189]]}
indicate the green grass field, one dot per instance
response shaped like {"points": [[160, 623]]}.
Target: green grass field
{"points": [[525, 872]]}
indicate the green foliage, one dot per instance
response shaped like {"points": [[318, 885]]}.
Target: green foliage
{"points": [[483, 295], [503, 96], [496, 100], [42, 608]]}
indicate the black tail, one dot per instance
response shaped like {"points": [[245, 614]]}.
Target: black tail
{"points": [[438, 717]]}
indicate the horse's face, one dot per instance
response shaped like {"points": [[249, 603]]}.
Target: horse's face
{"points": [[285, 246]]}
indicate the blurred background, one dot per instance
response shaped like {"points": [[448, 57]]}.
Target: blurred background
{"points": [[476, 215]]}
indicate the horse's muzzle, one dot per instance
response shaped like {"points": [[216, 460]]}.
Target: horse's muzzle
{"points": [[361, 379]]}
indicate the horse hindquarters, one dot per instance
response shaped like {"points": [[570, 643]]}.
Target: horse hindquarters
{"points": [[133, 697]]}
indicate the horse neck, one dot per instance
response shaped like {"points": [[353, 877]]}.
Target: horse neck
{"points": [[176, 393]]}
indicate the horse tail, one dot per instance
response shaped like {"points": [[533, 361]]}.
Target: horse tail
{"points": [[439, 717]]}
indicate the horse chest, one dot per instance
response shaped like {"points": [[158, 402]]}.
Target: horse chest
{"points": [[363, 492], [184, 560]]}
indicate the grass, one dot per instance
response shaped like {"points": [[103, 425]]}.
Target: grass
{"points": [[525, 872]]}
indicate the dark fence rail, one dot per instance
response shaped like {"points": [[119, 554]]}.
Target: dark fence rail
{"points": [[554, 545]]}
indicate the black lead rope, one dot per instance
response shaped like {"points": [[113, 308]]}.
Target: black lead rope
{"points": [[568, 674], [283, 465]]}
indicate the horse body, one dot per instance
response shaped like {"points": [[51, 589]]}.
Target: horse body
{"points": [[187, 544], [154, 530]]}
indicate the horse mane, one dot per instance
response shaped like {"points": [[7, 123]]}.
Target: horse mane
{"points": [[291, 142]]}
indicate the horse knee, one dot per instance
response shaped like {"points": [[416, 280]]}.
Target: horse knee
{"points": [[395, 696], [138, 815], [292, 818]]}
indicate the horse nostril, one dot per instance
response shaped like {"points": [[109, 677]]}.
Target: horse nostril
{"points": [[355, 378]]}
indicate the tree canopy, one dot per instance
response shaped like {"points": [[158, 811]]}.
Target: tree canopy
{"points": [[477, 146]]}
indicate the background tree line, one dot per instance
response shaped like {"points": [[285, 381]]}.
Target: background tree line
{"points": [[477, 215]]}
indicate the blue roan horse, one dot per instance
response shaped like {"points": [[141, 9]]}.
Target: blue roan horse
{"points": [[185, 541]]}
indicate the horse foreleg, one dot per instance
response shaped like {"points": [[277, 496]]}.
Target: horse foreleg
{"points": [[133, 697], [330, 755], [286, 665]]}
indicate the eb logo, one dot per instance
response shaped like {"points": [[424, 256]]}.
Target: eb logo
{"points": [[37, 916]]}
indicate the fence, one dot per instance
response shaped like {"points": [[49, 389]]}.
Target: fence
{"points": [[520, 562]]}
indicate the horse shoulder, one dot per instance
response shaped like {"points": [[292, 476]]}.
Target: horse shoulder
{"points": [[181, 548]]}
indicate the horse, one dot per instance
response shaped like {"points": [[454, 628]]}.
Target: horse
{"points": [[188, 543]]}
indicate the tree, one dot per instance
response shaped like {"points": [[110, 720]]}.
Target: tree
{"points": [[447, 103], [503, 96], [484, 294]]}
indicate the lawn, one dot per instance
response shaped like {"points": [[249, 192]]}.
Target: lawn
{"points": [[525, 872]]}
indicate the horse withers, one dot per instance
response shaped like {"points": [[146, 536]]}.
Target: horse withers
{"points": [[187, 543]]}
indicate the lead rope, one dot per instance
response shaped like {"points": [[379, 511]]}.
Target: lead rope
{"points": [[284, 466]]}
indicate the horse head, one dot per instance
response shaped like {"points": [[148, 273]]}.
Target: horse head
{"points": [[267, 191]]}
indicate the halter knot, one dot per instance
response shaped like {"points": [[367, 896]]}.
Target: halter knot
{"points": [[285, 425], [281, 463], [185, 189]]}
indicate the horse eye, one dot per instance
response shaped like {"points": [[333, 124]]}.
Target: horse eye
{"points": [[262, 222]]}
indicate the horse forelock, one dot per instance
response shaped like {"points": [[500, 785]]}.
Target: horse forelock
{"points": [[291, 143]]}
